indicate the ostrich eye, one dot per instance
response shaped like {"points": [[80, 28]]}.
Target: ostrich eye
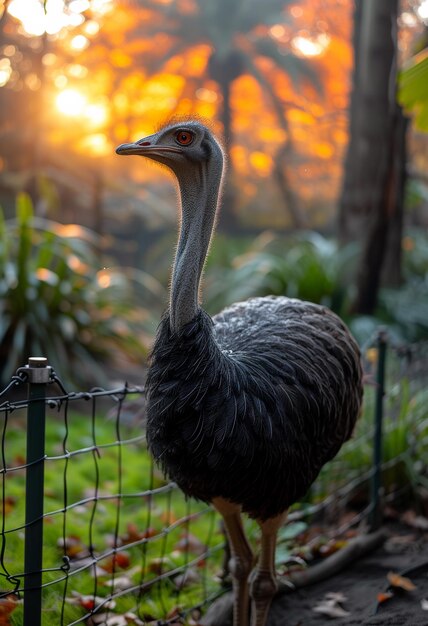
{"points": [[184, 137]]}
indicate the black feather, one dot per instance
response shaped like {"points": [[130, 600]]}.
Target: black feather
{"points": [[249, 405]]}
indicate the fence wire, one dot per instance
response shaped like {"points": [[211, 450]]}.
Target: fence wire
{"points": [[120, 542]]}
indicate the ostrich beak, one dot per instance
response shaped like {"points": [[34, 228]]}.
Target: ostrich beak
{"points": [[130, 148], [146, 147]]}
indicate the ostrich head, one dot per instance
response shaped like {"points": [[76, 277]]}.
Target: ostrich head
{"points": [[184, 147], [196, 158]]}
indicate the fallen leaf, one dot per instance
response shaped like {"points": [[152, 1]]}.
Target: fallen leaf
{"points": [[133, 535], [424, 605], [121, 582], [168, 517], [159, 565], [105, 619], [89, 602], [119, 560], [7, 605], [403, 539], [336, 596], [190, 577], [190, 543], [331, 547], [331, 610], [8, 504], [395, 580], [383, 596], [415, 521], [73, 547], [330, 605]]}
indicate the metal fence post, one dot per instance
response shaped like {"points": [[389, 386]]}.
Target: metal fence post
{"points": [[376, 482], [38, 375]]}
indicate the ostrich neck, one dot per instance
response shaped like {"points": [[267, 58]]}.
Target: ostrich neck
{"points": [[198, 209]]}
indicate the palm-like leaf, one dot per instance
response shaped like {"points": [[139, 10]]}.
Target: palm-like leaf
{"points": [[55, 302]]}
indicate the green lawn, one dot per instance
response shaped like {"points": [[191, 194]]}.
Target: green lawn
{"points": [[87, 521]]}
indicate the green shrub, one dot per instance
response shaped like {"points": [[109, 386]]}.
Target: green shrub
{"points": [[306, 266], [56, 301]]}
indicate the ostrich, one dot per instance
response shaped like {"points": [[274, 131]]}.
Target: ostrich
{"points": [[243, 409]]}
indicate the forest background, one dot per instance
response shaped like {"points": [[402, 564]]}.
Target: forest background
{"points": [[322, 106]]}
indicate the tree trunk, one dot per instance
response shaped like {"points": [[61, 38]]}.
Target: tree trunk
{"points": [[392, 271], [291, 200], [372, 191], [346, 208], [228, 222], [224, 67]]}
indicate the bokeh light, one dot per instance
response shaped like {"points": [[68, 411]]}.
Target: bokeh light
{"points": [[70, 102]]}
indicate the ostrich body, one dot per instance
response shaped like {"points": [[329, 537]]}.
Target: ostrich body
{"points": [[245, 408]]}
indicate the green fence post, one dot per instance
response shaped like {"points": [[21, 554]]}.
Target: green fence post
{"points": [[38, 375], [376, 482]]}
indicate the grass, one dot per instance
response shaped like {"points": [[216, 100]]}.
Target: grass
{"points": [[96, 521], [404, 435]]}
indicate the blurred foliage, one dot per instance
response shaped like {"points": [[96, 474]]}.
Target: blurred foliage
{"points": [[413, 89], [404, 311], [312, 267], [404, 437], [56, 302], [306, 266]]}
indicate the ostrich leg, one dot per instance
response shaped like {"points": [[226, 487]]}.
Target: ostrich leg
{"points": [[263, 583], [241, 563]]}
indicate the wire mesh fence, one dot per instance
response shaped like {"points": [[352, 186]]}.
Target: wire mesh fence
{"points": [[109, 541]]}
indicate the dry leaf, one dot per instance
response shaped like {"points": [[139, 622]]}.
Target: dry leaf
{"points": [[331, 547], [190, 577], [395, 580], [133, 535], [74, 547], [7, 605], [121, 582], [8, 504], [330, 605], [119, 560], [159, 565], [383, 596], [415, 521], [336, 596], [190, 543], [105, 619], [331, 609], [89, 602]]}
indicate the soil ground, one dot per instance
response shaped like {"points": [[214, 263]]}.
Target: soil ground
{"points": [[405, 552], [361, 582]]}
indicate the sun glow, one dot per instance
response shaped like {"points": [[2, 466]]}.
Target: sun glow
{"points": [[310, 47], [70, 102], [96, 114], [422, 11], [5, 71], [51, 17], [36, 21]]}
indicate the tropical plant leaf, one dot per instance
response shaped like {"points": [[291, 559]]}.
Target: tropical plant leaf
{"points": [[413, 89], [54, 304]]}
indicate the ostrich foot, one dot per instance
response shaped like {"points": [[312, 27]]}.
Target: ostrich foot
{"points": [[263, 583], [242, 559]]}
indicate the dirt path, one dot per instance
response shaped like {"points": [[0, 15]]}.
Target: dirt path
{"points": [[361, 583]]}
